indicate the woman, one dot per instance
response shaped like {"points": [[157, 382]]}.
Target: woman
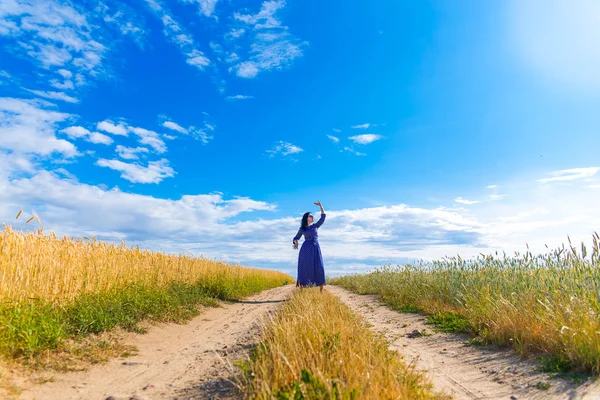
{"points": [[310, 260]]}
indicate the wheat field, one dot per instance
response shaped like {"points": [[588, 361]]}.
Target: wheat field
{"points": [[53, 288], [547, 304]]}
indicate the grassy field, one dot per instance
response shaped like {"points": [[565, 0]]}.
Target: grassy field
{"points": [[546, 304], [53, 289], [317, 348]]}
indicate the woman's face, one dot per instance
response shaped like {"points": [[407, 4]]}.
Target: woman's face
{"points": [[310, 219]]}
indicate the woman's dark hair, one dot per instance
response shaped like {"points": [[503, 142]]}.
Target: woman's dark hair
{"points": [[304, 220]]}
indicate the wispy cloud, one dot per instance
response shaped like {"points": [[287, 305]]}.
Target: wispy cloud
{"points": [[363, 126], [130, 153], [54, 95], [284, 149], [465, 201], [207, 7], [145, 136], [571, 174], [202, 133], [53, 34], [154, 172], [149, 138], [123, 19], [337, 130], [351, 150], [491, 186], [273, 47], [366, 138], [239, 97], [334, 139], [174, 126], [175, 33], [79, 132], [111, 127]]}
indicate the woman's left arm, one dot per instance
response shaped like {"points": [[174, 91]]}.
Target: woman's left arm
{"points": [[322, 219]]}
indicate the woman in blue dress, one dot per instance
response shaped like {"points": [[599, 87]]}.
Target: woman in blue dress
{"points": [[310, 260]]}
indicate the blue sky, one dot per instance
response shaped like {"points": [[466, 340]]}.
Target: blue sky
{"points": [[209, 126]]}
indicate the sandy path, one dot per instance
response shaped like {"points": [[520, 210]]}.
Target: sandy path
{"points": [[190, 361], [468, 372]]}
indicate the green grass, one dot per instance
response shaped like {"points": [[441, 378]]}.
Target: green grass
{"points": [[544, 305], [28, 328], [449, 322]]}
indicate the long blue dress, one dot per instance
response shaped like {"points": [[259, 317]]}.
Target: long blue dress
{"points": [[310, 260]]}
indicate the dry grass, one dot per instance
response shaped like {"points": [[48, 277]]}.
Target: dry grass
{"points": [[317, 348], [547, 304], [55, 289], [46, 267]]}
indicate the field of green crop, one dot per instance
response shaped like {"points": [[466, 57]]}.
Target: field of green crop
{"points": [[546, 305]]}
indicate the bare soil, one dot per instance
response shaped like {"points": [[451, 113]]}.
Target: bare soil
{"points": [[191, 361]]}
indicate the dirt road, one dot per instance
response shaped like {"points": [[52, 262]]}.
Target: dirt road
{"points": [[190, 361], [468, 372], [193, 361]]}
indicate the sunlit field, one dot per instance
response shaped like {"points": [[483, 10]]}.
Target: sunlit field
{"points": [[53, 288], [317, 348], [546, 305]]}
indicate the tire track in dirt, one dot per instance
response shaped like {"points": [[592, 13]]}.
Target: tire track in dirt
{"points": [[191, 361], [468, 372]]}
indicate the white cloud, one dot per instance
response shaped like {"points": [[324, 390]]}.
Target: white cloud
{"points": [[239, 97], [76, 132], [236, 33], [465, 201], [54, 35], [149, 138], [79, 132], [247, 69], [29, 127], [64, 205], [337, 130], [99, 138], [351, 150], [571, 174], [284, 149], [130, 153], [65, 85], [351, 239], [124, 19], [65, 73], [273, 47], [199, 133], [155, 172], [363, 126], [558, 40], [54, 95], [197, 59], [174, 126], [366, 138], [145, 136], [491, 186], [207, 7], [174, 32], [4, 77], [333, 139], [110, 127]]}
